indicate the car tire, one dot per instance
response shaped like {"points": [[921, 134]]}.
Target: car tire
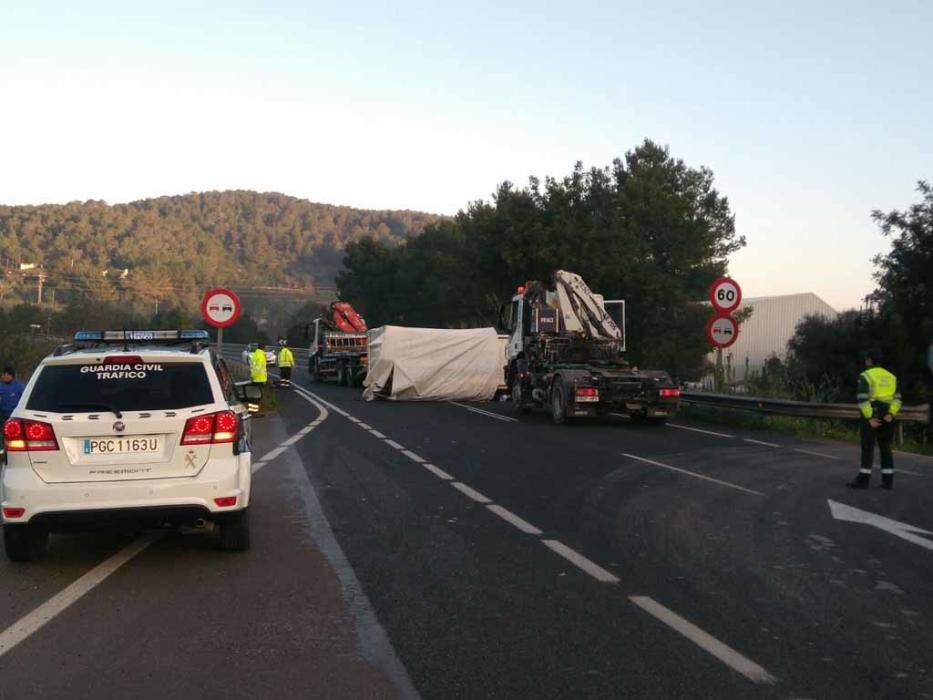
{"points": [[24, 542], [234, 532], [558, 402]]}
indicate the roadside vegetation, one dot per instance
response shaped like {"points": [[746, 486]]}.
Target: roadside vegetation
{"points": [[648, 229]]}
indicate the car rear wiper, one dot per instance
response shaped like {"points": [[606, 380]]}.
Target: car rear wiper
{"points": [[106, 406]]}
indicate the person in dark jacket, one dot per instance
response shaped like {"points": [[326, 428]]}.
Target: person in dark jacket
{"points": [[11, 390]]}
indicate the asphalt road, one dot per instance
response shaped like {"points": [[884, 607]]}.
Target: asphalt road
{"points": [[453, 551]]}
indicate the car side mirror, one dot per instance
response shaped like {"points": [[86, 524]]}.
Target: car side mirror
{"points": [[248, 393]]}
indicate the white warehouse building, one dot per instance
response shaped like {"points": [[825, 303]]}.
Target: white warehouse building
{"points": [[766, 332]]}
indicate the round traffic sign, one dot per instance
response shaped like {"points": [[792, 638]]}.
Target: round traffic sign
{"points": [[220, 308], [722, 330], [725, 294]]}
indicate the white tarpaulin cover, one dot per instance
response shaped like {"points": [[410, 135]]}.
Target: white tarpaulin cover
{"points": [[433, 364]]}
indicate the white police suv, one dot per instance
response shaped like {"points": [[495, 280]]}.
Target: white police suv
{"points": [[139, 427]]}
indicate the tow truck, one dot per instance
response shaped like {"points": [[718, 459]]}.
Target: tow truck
{"points": [[565, 351], [339, 346]]}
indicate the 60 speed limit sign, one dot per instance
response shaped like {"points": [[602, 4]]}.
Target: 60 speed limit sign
{"points": [[725, 295]]}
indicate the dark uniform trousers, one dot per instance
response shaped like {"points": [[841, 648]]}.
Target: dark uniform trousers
{"points": [[884, 436]]}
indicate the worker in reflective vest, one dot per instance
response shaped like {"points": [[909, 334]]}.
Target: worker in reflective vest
{"points": [[878, 402], [286, 362], [257, 365]]}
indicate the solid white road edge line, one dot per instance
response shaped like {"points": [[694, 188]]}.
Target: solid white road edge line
{"points": [[45, 613], [694, 474], [374, 643], [698, 430], [580, 561], [709, 644], [273, 454], [513, 519], [470, 492]]}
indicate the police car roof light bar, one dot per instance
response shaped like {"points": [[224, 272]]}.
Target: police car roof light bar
{"points": [[142, 336]]}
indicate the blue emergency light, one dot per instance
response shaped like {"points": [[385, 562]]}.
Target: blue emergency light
{"points": [[142, 335]]}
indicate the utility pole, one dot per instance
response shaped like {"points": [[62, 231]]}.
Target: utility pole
{"points": [[42, 279]]}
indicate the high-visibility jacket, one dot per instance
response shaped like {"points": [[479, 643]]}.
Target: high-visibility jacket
{"points": [[286, 358], [877, 393], [257, 366]]}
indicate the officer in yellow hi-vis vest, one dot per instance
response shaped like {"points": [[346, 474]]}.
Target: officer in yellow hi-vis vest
{"points": [[879, 403], [286, 362], [257, 365]]}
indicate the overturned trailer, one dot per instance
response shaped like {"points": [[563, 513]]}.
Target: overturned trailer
{"points": [[434, 364]]}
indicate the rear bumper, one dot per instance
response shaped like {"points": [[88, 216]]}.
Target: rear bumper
{"points": [[184, 498]]}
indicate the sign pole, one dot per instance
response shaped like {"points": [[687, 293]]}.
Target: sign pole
{"points": [[220, 342]]}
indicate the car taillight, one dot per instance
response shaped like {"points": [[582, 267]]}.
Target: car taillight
{"points": [[212, 428], [29, 436], [669, 393], [225, 426], [14, 512], [225, 501]]}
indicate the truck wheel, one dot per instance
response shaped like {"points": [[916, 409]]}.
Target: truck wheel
{"points": [[341, 375], [518, 398], [315, 369], [234, 532], [558, 402], [24, 542]]}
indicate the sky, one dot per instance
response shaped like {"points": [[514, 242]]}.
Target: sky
{"points": [[810, 115]]}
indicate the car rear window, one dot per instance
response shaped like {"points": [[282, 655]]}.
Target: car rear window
{"points": [[148, 386]]}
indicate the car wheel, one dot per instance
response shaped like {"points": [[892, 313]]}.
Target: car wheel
{"points": [[24, 542], [234, 532], [558, 402]]}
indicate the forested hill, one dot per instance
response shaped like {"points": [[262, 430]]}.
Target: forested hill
{"points": [[163, 247]]}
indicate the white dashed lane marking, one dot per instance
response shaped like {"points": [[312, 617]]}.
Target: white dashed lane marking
{"points": [[54, 606], [470, 492], [698, 430], [761, 442], [581, 562], [693, 474], [711, 645], [482, 412], [816, 454], [513, 519], [724, 653], [438, 472]]}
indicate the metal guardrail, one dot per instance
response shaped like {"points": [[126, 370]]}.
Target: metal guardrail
{"points": [[802, 409]]}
